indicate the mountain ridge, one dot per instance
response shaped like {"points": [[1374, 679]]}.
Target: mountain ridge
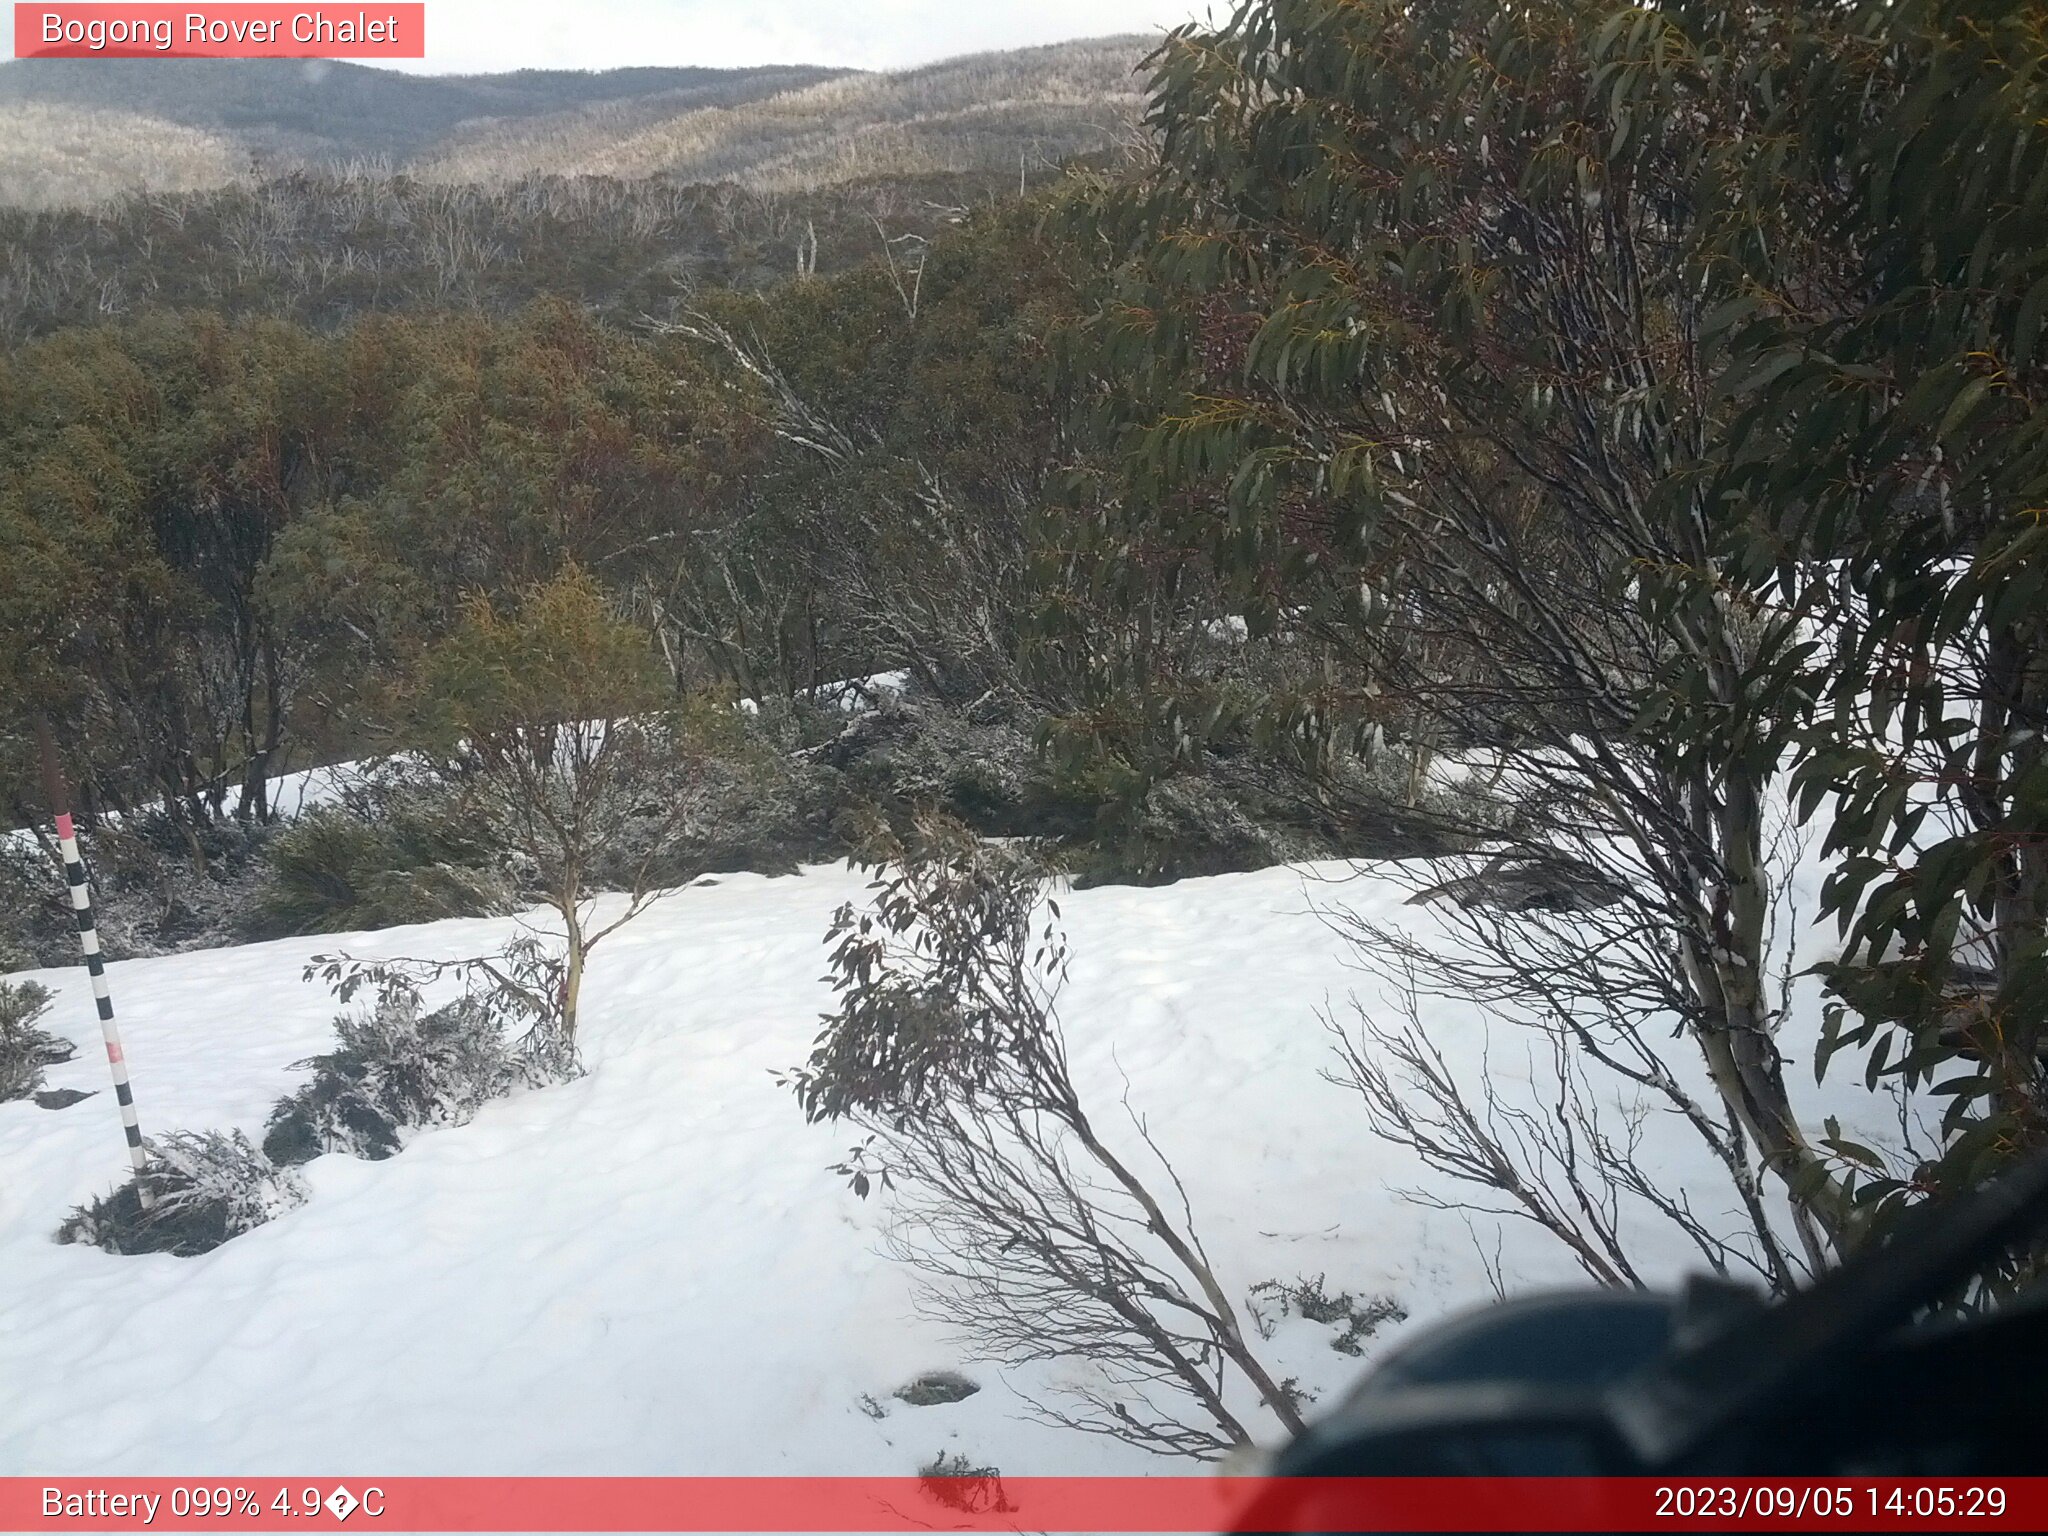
{"points": [[329, 110], [78, 132]]}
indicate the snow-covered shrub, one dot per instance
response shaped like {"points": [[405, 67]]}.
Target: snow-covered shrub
{"points": [[24, 1049], [158, 886], [204, 1188], [1355, 1318], [397, 1066], [980, 765], [743, 806]]}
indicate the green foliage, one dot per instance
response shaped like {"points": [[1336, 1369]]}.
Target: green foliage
{"points": [[1883, 342], [147, 472], [1322, 336], [1397, 372], [278, 524], [559, 660], [263, 516], [895, 516], [1664, 378], [945, 985], [550, 727], [339, 869], [515, 448]]}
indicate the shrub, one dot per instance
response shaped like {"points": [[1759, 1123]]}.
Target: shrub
{"points": [[1039, 1241], [1356, 1319], [369, 865], [24, 1049], [957, 1483], [205, 1187], [397, 1067], [158, 885], [36, 926]]}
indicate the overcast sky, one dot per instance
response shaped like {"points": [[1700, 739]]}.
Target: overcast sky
{"points": [[471, 35]]}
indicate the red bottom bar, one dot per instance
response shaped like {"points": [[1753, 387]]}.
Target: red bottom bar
{"points": [[1049, 1504]]}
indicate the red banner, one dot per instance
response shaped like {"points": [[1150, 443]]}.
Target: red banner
{"points": [[71, 31], [1050, 1504]]}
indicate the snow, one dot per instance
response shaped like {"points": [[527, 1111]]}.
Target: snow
{"points": [[850, 696], [294, 794], [650, 1270]]}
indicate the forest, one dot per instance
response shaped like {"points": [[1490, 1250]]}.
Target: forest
{"points": [[1591, 457]]}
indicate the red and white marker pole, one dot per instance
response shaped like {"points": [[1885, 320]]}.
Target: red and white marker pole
{"points": [[89, 941]]}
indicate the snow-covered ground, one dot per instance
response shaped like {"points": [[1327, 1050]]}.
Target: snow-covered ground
{"points": [[651, 1270]]}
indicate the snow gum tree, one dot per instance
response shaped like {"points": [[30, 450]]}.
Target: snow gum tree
{"points": [[1604, 390], [1887, 335]]}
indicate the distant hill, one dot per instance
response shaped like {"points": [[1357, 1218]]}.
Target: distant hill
{"points": [[325, 110], [77, 131], [1017, 110]]}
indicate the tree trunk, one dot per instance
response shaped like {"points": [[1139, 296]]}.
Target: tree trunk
{"points": [[1728, 962], [1230, 1335], [572, 977]]}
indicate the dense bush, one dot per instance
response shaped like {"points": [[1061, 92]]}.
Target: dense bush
{"points": [[204, 1188], [29, 918], [743, 810], [24, 1049], [1782, 544], [397, 1067], [365, 481], [342, 869], [979, 765], [155, 889]]}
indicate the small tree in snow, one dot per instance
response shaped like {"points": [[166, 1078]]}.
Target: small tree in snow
{"points": [[556, 734], [1042, 1241]]}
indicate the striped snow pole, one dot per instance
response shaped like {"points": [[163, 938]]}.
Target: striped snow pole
{"points": [[89, 941]]}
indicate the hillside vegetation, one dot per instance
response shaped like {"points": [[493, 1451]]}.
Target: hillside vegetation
{"points": [[324, 248], [60, 155]]}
